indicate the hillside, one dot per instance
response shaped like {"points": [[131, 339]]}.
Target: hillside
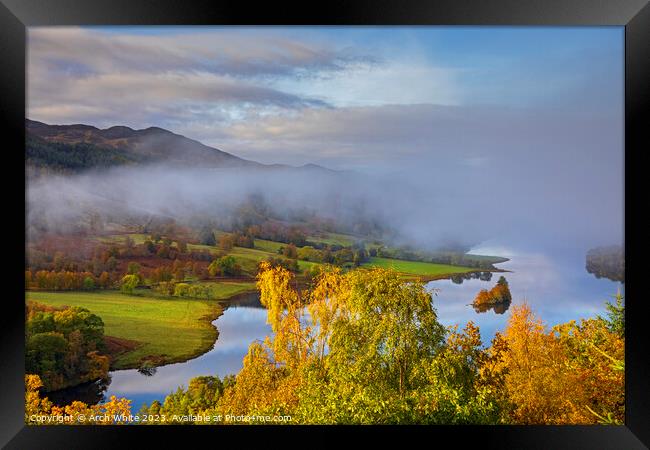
{"points": [[77, 147]]}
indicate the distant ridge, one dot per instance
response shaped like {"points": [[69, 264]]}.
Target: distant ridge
{"points": [[78, 147], [148, 145]]}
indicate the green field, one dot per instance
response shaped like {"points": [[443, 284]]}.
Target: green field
{"points": [[344, 240], [249, 258], [222, 290], [138, 238], [268, 246], [490, 259], [416, 267], [169, 330]]}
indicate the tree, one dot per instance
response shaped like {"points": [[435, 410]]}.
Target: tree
{"points": [[226, 265], [80, 412], [290, 251], [615, 320], [62, 346], [104, 280], [206, 237], [149, 246], [226, 242], [182, 290], [89, 283], [366, 319], [129, 283], [289, 264], [34, 404], [133, 268], [163, 251], [482, 298], [111, 263], [539, 382]]}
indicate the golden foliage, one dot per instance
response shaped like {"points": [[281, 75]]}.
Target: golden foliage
{"points": [[556, 377], [77, 412]]}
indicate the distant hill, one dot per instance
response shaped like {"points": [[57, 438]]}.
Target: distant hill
{"points": [[78, 147]]}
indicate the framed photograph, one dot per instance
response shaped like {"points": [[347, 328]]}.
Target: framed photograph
{"points": [[384, 218]]}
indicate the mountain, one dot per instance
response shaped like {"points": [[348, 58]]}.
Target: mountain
{"points": [[77, 147]]}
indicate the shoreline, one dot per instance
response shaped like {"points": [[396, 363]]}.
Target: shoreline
{"points": [[217, 308]]}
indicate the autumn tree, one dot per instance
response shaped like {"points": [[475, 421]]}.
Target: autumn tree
{"points": [[538, 382], [226, 265], [594, 354], [133, 268], [62, 346], [226, 242], [482, 298], [80, 412], [290, 251]]}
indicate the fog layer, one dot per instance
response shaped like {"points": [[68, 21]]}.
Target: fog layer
{"points": [[426, 206]]}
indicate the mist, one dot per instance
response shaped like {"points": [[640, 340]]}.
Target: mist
{"points": [[429, 207]]}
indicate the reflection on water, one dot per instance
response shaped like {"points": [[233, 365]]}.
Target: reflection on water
{"points": [[498, 308], [148, 371], [90, 393], [459, 278], [557, 287], [243, 321]]}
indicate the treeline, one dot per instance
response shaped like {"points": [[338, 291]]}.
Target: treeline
{"points": [[185, 290], [607, 262], [267, 230], [450, 258], [106, 264], [327, 254], [256, 212], [66, 280], [64, 346], [73, 157], [320, 253], [98, 258], [161, 247]]}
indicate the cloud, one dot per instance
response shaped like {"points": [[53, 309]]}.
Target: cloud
{"points": [[90, 76], [116, 98], [470, 137], [224, 52], [276, 96]]}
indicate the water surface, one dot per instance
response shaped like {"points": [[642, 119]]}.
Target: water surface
{"points": [[555, 284]]}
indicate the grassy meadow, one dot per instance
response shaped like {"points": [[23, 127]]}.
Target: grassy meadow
{"points": [[419, 268], [168, 330]]}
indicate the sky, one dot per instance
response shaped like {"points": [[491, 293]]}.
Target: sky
{"points": [[498, 119]]}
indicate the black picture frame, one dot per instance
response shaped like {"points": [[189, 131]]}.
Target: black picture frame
{"points": [[634, 15]]}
